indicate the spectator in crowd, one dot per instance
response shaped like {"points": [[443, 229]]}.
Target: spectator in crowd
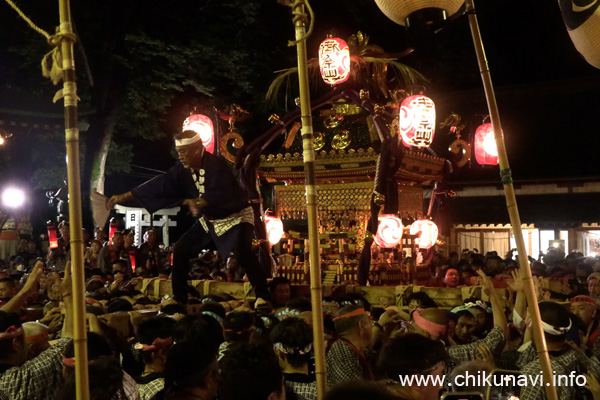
{"points": [[585, 307], [479, 309], [563, 359], [466, 323], [36, 338], [251, 371], [92, 254], [237, 329], [346, 359], [451, 278], [148, 254], [112, 252], [293, 341], [41, 377], [593, 282], [8, 288], [280, 289], [413, 355], [156, 339]]}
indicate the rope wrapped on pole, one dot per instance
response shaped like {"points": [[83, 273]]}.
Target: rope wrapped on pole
{"points": [[511, 204]]}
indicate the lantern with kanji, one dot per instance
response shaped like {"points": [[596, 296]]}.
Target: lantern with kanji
{"points": [[486, 152], [52, 238], [334, 61], [203, 126], [274, 228], [389, 231], [417, 121], [427, 231]]}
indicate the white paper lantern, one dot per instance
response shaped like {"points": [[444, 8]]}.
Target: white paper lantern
{"points": [[399, 10], [582, 18]]}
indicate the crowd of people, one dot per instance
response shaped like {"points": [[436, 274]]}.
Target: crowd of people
{"points": [[220, 347]]}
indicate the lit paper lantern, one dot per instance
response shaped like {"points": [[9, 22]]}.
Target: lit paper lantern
{"points": [[427, 231], [417, 121], [274, 228], [334, 61], [112, 228], [582, 19], [401, 11], [486, 152], [389, 231], [52, 238], [132, 259], [203, 126]]}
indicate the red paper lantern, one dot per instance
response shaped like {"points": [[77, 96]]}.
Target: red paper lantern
{"points": [[112, 228], [203, 126], [389, 231], [486, 152], [427, 231], [132, 259], [417, 121], [52, 238], [334, 61], [274, 229]]}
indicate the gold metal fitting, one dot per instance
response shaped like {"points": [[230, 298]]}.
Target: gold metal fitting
{"points": [[379, 199]]}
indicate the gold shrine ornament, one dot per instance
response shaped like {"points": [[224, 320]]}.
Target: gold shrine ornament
{"points": [[341, 140]]}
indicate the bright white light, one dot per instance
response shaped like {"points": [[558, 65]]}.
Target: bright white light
{"points": [[556, 244], [489, 144], [13, 198]]}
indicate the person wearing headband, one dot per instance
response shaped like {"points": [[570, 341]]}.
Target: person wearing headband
{"points": [[292, 341], [205, 184], [155, 339], [466, 323], [556, 323], [36, 338], [585, 307], [495, 339], [481, 311], [429, 322], [41, 377], [346, 359]]}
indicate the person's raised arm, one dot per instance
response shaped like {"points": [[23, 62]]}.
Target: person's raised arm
{"points": [[118, 199], [66, 290], [30, 287], [518, 286], [497, 308]]}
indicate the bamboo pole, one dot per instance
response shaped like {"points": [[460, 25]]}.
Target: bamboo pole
{"points": [[316, 289], [76, 233], [511, 204]]}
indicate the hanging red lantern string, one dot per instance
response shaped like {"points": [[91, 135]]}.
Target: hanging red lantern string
{"points": [[203, 126], [334, 61], [427, 231], [486, 152], [417, 121], [389, 231]]}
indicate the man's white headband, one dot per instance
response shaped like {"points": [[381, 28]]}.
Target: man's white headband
{"points": [[186, 141], [554, 330]]}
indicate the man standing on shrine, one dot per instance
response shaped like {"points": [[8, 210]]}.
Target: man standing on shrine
{"points": [[205, 184]]}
